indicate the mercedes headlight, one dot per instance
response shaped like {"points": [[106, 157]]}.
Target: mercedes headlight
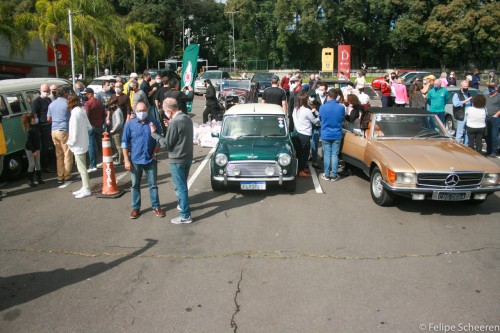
{"points": [[490, 179], [221, 160], [401, 177], [284, 159], [242, 99]]}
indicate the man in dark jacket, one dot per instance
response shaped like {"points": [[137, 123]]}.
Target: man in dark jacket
{"points": [[211, 106], [180, 96]]}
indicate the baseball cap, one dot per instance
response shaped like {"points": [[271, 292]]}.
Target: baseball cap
{"points": [[294, 78], [275, 77], [88, 91], [134, 75]]}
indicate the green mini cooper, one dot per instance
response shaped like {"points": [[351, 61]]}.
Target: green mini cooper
{"points": [[254, 149]]}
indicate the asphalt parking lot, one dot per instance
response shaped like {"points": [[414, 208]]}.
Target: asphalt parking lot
{"points": [[322, 259]]}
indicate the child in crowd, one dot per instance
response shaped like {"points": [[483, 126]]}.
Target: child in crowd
{"points": [[32, 147]]}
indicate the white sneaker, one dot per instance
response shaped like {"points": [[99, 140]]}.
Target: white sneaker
{"points": [[83, 194], [92, 170], [78, 192], [179, 208], [180, 220]]}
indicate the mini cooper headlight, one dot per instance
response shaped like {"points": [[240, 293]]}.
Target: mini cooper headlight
{"points": [[490, 179], [284, 159], [221, 160]]}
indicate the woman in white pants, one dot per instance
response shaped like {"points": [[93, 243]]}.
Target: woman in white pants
{"points": [[78, 142]]}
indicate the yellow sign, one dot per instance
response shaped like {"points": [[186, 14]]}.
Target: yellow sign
{"points": [[327, 57]]}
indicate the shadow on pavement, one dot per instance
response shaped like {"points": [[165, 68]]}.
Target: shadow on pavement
{"points": [[19, 289]]}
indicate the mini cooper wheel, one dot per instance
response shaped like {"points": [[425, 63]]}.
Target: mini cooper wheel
{"points": [[216, 185], [379, 194], [291, 185]]}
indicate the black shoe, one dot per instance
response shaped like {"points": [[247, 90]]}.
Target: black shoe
{"points": [[39, 177]]}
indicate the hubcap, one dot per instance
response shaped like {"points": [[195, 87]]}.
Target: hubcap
{"points": [[377, 185]]}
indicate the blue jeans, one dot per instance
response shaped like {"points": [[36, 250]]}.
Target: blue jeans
{"points": [[315, 144], [331, 156], [493, 125], [180, 173], [461, 132], [441, 116], [151, 171], [95, 141]]}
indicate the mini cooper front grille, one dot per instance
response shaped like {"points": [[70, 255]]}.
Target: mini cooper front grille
{"points": [[252, 169], [449, 180]]}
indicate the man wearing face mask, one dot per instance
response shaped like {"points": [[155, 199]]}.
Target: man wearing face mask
{"points": [[137, 141], [461, 101], [437, 98], [123, 101], [53, 92], [211, 103], [40, 106], [97, 117], [295, 88], [493, 120]]}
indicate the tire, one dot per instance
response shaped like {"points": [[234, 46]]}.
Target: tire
{"points": [[449, 124], [216, 185], [291, 186], [379, 194], [14, 166]]}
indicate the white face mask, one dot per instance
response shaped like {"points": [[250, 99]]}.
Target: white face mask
{"points": [[141, 115], [118, 91], [311, 99], [293, 86], [107, 88], [45, 94], [158, 81]]}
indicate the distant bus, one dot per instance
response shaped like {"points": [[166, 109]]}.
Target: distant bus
{"points": [[16, 96]]}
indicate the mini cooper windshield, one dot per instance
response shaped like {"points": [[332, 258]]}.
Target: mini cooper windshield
{"points": [[254, 126], [407, 126]]}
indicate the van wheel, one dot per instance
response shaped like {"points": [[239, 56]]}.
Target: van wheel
{"points": [[14, 165], [379, 194]]}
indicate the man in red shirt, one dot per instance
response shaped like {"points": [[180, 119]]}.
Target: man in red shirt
{"points": [[385, 89], [97, 116], [285, 84]]}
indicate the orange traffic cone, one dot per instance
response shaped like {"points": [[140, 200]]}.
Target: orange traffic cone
{"points": [[109, 187]]}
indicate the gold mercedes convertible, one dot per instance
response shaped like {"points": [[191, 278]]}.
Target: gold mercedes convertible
{"points": [[407, 152]]}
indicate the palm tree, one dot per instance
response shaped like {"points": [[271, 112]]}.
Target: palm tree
{"points": [[141, 35]]}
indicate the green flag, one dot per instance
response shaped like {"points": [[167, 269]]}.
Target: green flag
{"points": [[189, 68]]}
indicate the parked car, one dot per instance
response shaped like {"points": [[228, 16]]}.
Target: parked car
{"points": [[262, 81], [16, 96], [234, 92], [450, 121], [405, 75], [215, 77], [97, 82], [407, 152], [254, 149], [340, 84]]}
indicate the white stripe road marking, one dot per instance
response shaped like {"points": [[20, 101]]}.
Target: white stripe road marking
{"points": [[202, 165], [315, 179], [120, 176]]}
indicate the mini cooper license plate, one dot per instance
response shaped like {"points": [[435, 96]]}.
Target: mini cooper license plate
{"points": [[451, 196], [253, 185]]}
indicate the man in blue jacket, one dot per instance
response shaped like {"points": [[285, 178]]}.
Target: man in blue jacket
{"points": [[331, 115]]}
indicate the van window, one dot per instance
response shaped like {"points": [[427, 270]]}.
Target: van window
{"points": [[3, 107], [31, 95], [17, 103]]}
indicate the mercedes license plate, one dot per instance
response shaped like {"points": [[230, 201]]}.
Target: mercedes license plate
{"points": [[451, 196], [253, 185]]}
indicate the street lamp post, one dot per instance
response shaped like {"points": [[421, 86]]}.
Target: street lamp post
{"points": [[71, 45], [234, 47]]}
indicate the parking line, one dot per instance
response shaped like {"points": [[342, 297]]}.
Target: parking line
{"points": [[198, 171], [315, 179]]}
